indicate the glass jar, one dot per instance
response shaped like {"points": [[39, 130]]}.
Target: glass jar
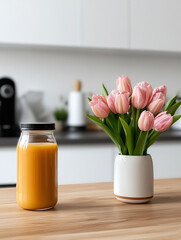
{"points": [[37, 180]]}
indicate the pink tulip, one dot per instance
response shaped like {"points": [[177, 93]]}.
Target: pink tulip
{"points": [[157, 103], [163, 121], [111, 100], [124, 84], [146, 121], [140, 96], [122, 102], [118, 101], [148, 86], [157, 99], [162, 89], [99, 106]]}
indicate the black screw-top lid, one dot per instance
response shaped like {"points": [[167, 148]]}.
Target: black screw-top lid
{"points": [[37, 126]]}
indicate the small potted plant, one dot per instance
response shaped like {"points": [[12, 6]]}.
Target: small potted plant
{"points": [[61, 117], [133, 119]]}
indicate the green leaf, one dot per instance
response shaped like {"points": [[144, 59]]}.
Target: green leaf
{"points": [[153, 137], [170, 103], [104, 91], [89, 99], [129, 138], [121, 130], [109, 123], [114, 121], [141, 143], [150, 133], [132, 123], [119, 126], [137, 130], [174, 108], [113, 137], [176, 118], [126, 117]]}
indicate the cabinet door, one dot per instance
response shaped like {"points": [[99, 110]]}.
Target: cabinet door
{"points": [[104, 23], [45, 22], [155, 25], [166, 159], [85, 164], [7, 165]]}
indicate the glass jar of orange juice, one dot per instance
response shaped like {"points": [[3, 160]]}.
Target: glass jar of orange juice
{"points": [[37, 183]]}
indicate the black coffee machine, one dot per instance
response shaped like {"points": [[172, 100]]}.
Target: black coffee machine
{"points": [[8, 127]]}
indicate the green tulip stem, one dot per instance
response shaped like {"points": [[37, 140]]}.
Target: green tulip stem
{"points": [[136, 123]]}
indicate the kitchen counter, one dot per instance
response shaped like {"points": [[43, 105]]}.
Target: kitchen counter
{"points": [[90, 137], [90, 211]]}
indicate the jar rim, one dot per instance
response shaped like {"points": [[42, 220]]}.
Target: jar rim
{"points": [[37, 126]]}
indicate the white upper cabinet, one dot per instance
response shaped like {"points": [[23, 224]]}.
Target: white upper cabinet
{"points": [[45, 22], [120, 24], [105, 23], [155, 25]]}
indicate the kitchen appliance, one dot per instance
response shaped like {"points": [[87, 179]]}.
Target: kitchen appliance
{"points": [[76, 108], [8, 128]]}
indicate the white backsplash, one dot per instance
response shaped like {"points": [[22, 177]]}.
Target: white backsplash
{"points": [[53, 71]]}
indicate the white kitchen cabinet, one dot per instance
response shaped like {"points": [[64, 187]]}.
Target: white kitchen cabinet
{"points": [[44, 22], [100, 23], [76, 164], [166, 159], [105, 23], [120, 24], [85, 163], [7, 165], [155, 25]]}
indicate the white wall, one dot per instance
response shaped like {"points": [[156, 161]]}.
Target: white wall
{"points": [[54, 70]]}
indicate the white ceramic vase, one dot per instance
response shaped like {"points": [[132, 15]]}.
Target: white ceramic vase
{"points": [[133, 178]]}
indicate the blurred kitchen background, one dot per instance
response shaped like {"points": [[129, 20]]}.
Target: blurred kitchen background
{"points": [[47, 45]]}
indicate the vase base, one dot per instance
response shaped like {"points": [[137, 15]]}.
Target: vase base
{"points": [[133, 200]]}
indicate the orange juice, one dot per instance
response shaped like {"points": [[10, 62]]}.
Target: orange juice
{"points": [[37, 175]]}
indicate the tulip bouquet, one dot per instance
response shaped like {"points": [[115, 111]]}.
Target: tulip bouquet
{"points": [[133, 119]]}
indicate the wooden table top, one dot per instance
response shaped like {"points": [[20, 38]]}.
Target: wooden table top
{"points": [[90, 211]]}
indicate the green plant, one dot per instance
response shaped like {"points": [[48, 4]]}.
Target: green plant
{"points": [[61, 114]]}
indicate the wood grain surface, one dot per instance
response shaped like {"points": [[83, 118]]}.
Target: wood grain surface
{"points": [[90, 211]]}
